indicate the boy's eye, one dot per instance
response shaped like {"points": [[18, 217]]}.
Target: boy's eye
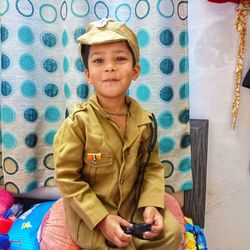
{"points": [[121, 58], [98, 60]]}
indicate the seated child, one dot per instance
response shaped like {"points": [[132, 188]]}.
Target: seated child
{"points": [[101, 152]]}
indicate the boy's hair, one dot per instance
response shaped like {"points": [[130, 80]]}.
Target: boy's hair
{"points": [[85, 54], [108, 31]]}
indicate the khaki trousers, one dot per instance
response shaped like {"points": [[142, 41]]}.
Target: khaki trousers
{"points": [[169, 239], [55, 235]]}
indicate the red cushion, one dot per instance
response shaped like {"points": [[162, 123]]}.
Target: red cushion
{"points": [[6, 201], [224, 1]]}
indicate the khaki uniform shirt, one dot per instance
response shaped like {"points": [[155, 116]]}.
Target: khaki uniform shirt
{"points": [[96, 167]]}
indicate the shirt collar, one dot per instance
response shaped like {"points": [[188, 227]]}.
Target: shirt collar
{"points": [[136, 112]]}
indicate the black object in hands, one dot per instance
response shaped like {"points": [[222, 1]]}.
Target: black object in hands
{"points": [[246, 81], [137, 230]]}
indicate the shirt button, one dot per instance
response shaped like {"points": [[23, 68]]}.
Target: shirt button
{"points": [[122, 181]]}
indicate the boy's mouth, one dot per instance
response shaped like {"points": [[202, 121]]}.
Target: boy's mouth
{"points": [[110, 80]]}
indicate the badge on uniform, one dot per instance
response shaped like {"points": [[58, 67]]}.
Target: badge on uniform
{"points": [[101, 23], [94, 157]]}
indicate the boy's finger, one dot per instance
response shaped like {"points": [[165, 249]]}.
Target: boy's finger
{"points": [[125, 237], [155, 228], [125, 223], [149, 235], [120, 243]]}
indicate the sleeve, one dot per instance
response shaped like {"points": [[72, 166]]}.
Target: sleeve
{"points": [[153, 188], [68, 155]]}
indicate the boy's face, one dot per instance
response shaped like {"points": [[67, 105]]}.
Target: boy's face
{"points": [[110, 69]]}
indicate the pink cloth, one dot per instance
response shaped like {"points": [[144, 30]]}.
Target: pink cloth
{"points": [[6, 201], [173, 206], [55, 234], [54, 231]]}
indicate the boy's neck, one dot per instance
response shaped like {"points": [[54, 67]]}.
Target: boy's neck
{"points": [[116, 105]]}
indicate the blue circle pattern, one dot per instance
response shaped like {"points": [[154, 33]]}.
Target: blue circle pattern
{"points": [[64, 10], [143, 92], [166, 93], [65, 38], [31, 140], [31, 186], [8, 114], [28, 6], [52, 114], [4, 33], [169, 6], [183, 39], [26, 35], [9, 140], [120, 12], [186, 186], [143, 38], [31, 165], [100, 8], [5, 61], [185, 165], [49, 39], [28, 89], [30, 115], [166, 144], [27, 62], [167, 37], [50, 65], [145, 66], [167, 66], [185, 140], [79, 65], [78, 32], [49, 137], [166, 120], [184, 116], [67, 91], [74, 9], [51, 90], [184, 91], [7, 5], [142, 9], [6, 88], [83, 91], [184, 65], [65, 64], [49, 8]]}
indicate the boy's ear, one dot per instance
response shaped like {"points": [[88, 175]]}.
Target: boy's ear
{"points": [[87, 76], [137, 71]]}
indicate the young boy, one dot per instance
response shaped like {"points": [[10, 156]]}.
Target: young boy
{"points": [[101, 147]]}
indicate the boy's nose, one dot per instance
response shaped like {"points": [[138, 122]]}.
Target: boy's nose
{"points": [[110, 67]]}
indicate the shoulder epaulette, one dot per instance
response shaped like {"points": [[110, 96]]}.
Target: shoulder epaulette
{"points": [[79, 107]]}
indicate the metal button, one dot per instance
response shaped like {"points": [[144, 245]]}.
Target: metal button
{"points": [[122, 181], [101, 23]]}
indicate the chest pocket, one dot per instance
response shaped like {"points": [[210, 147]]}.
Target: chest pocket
{"points": [[99, 171]]}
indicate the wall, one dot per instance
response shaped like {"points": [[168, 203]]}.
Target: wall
{"points": [[213, 51]]}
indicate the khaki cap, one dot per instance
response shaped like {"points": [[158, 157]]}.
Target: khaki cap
{"points": [[107, 31]]}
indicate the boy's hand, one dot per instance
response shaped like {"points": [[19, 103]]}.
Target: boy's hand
{"points": [[152, 216], [110, 227]]}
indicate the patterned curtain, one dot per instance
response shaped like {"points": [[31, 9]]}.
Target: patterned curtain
{"points": [[42, 77]]}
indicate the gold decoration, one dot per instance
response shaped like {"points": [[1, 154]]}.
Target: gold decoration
{"points": [[241, 26]]}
